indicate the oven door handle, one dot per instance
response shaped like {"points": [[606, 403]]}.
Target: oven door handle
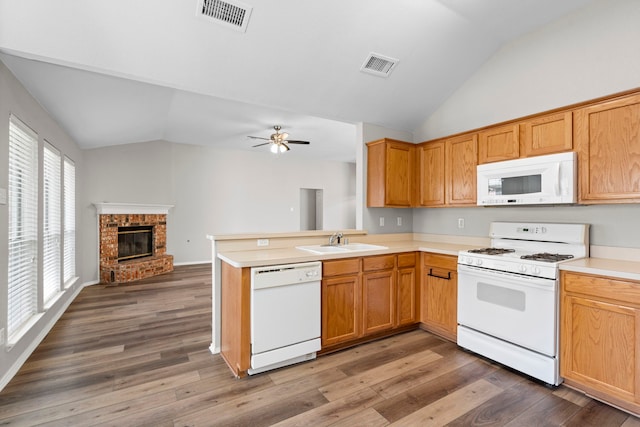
{"points": [[439, 277]]}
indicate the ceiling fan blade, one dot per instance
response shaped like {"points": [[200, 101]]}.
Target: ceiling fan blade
{"points": [[259, 145], [293, 141], [258, 137], [286, 147]]}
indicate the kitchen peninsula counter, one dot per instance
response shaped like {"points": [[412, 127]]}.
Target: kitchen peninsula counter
{"points": [[265, 257]]}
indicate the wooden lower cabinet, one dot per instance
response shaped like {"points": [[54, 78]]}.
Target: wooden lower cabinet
{"points": [[599, 337], [439, 295], [235, 334], [367, 297], [340, 309], [378, 301]]}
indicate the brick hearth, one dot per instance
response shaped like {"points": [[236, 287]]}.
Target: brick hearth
{"points": [[112, 271]]}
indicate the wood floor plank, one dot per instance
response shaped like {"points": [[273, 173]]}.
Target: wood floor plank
{"points": [[438, 387], [344, 357], [137, 354], [452, 406], [422, 374], [504, 407], [548, 412], [369, 418], [596, 414], [335, 411], [376, 375]]}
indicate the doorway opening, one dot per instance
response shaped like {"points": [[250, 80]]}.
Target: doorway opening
{"points": [[310, 209]]}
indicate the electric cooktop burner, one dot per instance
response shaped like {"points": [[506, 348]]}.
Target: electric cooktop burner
{"points": [[491, 251], [547, 257]]}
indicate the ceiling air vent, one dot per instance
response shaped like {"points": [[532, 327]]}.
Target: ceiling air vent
{"points": [[231, 14], [378, 65]]}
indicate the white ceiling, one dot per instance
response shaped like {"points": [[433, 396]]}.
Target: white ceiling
{"points": [[124, 71]]}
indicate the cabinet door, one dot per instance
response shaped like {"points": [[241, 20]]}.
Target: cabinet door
{"points": [[390, 173], [406, 290], [607, 137], [440, 302], [462, 159], [548, 134], [406, 303], [431, 164], [600, 346], [499, 143], [341, 308], [378, 301]]}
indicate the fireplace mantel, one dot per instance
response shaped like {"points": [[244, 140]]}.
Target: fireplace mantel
{"points": [[109, 208]]}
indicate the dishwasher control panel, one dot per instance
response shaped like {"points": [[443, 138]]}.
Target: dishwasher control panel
{"points": [[287, 274]]}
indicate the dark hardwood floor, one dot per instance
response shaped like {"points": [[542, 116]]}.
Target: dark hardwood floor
{"points": [[137, 355]]}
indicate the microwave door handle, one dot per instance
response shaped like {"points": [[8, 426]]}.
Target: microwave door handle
{"points": [[558, 178]]}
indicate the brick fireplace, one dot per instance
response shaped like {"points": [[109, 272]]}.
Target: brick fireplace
{"points": [[116, 220]]}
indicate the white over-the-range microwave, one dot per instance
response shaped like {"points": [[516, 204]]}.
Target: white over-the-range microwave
{"points": [[540, 180]]}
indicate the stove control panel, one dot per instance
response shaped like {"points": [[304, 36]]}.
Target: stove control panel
{"points": [[513, 265], [536, 229]]}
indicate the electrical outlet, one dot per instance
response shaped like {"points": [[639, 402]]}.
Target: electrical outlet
{"points": [[460, 222], [399, 221], [381, 221], [263, 242]]}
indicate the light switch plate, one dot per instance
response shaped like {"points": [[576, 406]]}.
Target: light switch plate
{"points": [[3, 196]]}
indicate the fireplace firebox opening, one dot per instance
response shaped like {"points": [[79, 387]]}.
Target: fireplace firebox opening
{"points": [[135, 242]]}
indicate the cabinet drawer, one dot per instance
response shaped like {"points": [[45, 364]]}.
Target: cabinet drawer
{"points": [[449, 262], [341, 267], [407, 260], [620, 290], [382, 262]]}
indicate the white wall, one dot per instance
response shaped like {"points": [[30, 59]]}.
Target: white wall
{"points": [[591, 53], [16, 100], [214, 191]]}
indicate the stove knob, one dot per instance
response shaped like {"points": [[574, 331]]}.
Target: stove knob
{"points": [[522, 268], [535, 270], [478, 262]]}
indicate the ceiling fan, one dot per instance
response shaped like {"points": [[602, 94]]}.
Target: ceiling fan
{"points": [[279, 142]]}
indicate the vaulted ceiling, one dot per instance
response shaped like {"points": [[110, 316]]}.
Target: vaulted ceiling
{"points": [[121, 71]]}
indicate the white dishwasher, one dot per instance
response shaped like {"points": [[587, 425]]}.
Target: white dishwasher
{"points": [[285, 315]]}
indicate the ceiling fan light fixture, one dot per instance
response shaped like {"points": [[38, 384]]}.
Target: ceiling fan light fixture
{"points": [[274, 148]]}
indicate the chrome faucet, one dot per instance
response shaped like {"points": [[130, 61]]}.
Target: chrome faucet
{"points": [[335, 236]]}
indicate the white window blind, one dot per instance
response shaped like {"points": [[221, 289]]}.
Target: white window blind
{"points": [[69, 269], [23, 225], [52, 223]]}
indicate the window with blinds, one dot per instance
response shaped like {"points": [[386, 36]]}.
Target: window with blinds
{"points": [[23, 225], [52, 223], [69, 264]]}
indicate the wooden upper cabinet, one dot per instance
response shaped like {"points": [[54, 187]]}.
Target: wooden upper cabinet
{"points": [[499, 143], [432, 176], [461, 161], [548, 134], [607, 138], [390, 173]]}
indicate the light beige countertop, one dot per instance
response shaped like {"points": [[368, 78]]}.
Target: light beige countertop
{"points": [[604, 267], [264, 257]]}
